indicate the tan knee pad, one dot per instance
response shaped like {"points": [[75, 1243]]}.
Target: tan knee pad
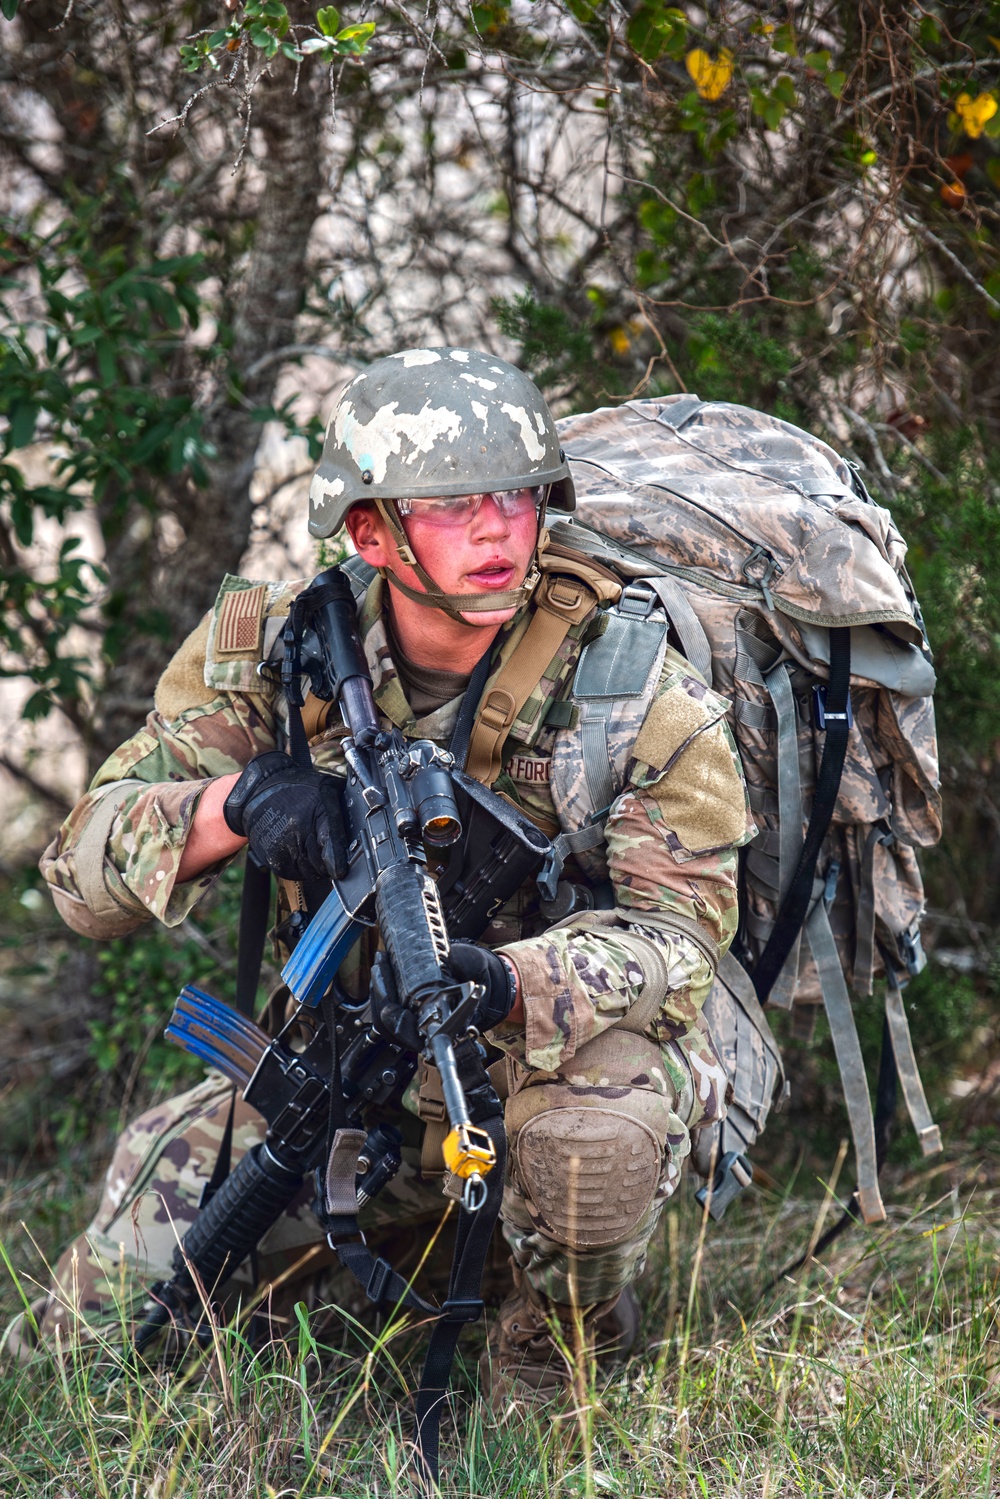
{"points": [[587, 1152], [588, 1174]]}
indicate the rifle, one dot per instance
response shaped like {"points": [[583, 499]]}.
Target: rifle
{"points": [[399, 798]]}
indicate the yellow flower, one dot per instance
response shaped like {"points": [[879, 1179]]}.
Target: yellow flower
{"points": [[711, 79], [620, 341], [973, 115]]}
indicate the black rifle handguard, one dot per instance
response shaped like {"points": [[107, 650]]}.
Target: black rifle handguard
{"points": [[250, 1200]]}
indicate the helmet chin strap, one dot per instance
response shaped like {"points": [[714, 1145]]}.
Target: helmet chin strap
{"points": [[455, 605]]}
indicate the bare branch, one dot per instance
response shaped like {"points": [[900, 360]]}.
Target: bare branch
{"points": [[36, 787], [931, 239]]}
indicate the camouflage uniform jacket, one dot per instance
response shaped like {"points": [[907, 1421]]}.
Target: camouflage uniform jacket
{"points": [[671, 836]]}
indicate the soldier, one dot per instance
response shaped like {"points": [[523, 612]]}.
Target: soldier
{"points": [[442, 463]]}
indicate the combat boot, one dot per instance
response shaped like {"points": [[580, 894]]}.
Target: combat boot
{"points": [[535, 1349]]}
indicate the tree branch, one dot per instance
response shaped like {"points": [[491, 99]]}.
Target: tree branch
{"points": [[38, 788]]}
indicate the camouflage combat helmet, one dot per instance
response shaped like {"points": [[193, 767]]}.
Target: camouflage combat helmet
{"points": [[429, 422]]}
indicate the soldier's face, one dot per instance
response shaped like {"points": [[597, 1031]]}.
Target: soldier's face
{"points": [[487, 553]]}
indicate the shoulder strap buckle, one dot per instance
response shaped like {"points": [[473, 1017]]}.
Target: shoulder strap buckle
{"points": [[638, 600]]}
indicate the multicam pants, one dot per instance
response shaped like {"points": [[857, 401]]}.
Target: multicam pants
{"points": [[595, 1152]]}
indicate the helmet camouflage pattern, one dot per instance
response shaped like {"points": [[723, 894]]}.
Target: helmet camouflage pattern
{"points": [[436, 422]]}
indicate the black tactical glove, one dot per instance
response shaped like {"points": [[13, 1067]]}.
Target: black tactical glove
{"points": [[290, 816], [468, 962]]}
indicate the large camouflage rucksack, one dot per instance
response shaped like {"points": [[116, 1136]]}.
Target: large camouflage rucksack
{"points": [[770, 559]]}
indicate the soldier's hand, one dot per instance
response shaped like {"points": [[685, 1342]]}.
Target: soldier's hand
{"points": [[468, 963], [291, 817], [391, 1019], [471, 963]]}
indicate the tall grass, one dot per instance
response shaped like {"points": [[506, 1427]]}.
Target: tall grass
{"points": [[876, 1372]]}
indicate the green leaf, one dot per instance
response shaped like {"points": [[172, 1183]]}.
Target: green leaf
{"points": [[929, 32], [784, 89], [774, 113], [650, 268], [328, 20], [37, 706], [8, 8], [23, 518], [658, 218], [23, 416], [359, 33], [318, 44], [818, 61], [655, 29], [783, 40], [835, 82], [107, 364]]}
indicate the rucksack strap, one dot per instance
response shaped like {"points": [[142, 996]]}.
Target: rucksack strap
{"points": [[885, 1110], [796, 899], [458, 745], [561, 603], [906, 1063], [690, 632], [790, 820], [850, 1061]]}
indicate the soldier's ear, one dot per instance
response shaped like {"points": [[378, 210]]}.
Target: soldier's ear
{"points": [[370, 534]]}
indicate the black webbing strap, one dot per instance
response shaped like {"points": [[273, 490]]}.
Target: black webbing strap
{"points": [[224, 1159], [796, 902], [291, 678], [386, 1288], [464, 1304], [337, 1114], [462, 732], [255, 911], [383, 1285]]}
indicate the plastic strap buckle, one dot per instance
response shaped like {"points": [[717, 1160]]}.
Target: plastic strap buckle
{"points": [[462, 1311], [637, 601], [378, 1281], [733, 1175]]}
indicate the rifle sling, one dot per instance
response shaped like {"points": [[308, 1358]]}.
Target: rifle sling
{"points": [[460, 735], [386, 1288]]}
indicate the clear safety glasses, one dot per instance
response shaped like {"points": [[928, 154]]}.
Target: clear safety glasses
{"points": [[458, 509]]}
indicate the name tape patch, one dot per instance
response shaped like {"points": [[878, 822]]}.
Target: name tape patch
{"points": [[529, 771]]}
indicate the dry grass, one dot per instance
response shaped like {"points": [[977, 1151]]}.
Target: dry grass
{"points": [[875, 1373]]}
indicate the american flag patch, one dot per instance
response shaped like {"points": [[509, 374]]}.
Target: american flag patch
{"points": [[237, 632]]}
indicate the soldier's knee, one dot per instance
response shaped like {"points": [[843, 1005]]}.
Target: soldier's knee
{"points": [[589, 1150], [588, 1174]]}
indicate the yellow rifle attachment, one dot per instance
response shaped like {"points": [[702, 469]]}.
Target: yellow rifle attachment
{"points": [[469, 1151]]}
